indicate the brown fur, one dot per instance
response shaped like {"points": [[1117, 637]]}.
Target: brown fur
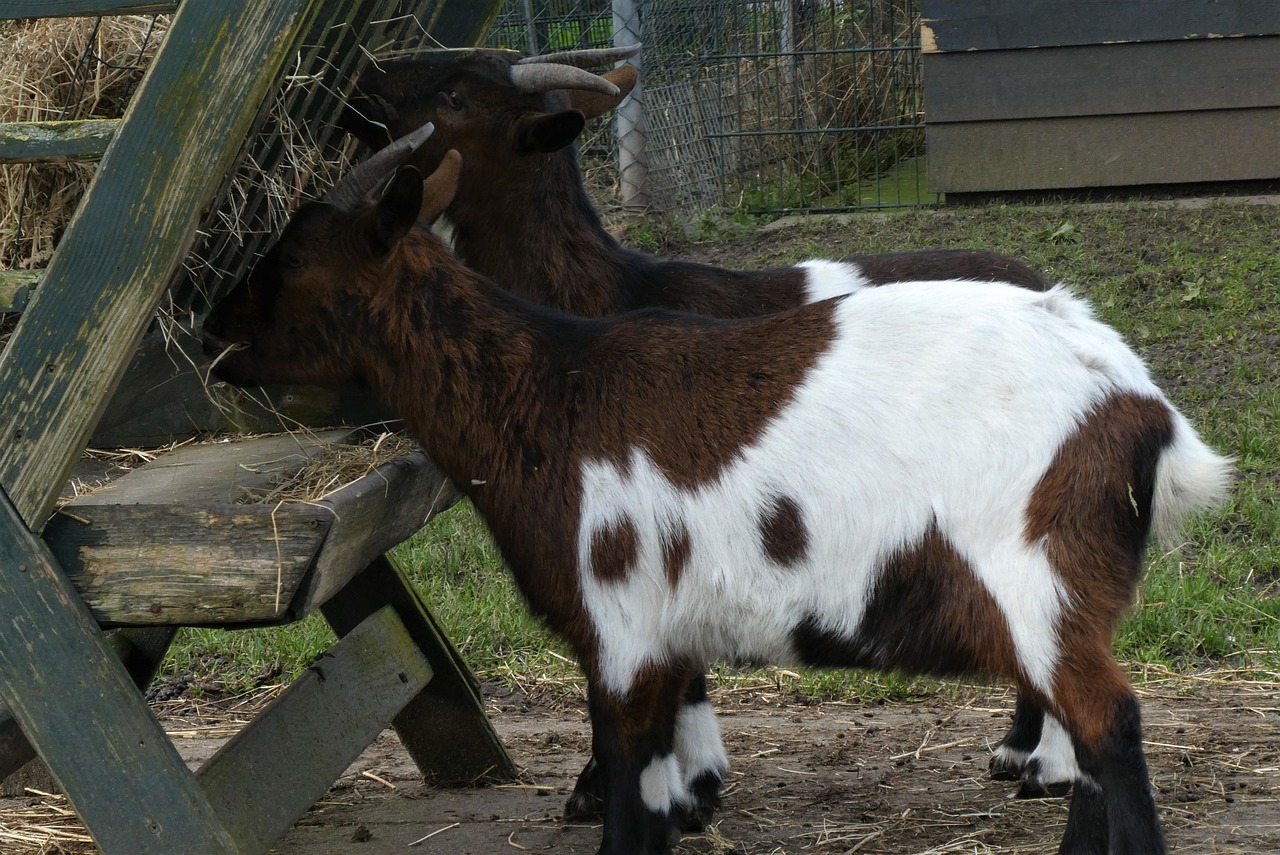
{"points": [[523, 219], [676, 552], [927, 614], [1093, 510], [613, 551], [783, 533]]}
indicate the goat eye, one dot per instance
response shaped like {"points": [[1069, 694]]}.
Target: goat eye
{"points": [[292, 260], [453, 100]]}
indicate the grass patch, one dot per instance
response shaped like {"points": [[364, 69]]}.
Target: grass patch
{"points": [[1193, 290]]}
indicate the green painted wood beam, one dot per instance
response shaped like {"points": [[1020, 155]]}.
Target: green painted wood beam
{"points": [[16, 287], [274, 769], [445, 728], [55, 142], [66, 8], [75, 701], [215, 69]]}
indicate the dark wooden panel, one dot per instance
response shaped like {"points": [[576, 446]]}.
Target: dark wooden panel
{"points": [[162, 398], [1104, 151], [273, 770], [68, 8], [216, 67], [1217, 74], [967, 25], [444, 728], [76, 703], [55, 142]]}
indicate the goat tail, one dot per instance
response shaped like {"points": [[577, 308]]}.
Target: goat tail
{"points": [[1190, 477]]}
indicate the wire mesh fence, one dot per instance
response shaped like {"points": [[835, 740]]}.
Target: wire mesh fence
{"points": [[764, 106]]}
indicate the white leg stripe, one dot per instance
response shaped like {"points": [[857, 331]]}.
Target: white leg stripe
{"points": [[1055, 754], [698, 743], [660, 787]]}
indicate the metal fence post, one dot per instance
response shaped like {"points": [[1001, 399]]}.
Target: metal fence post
{"points": [[633, 165]]}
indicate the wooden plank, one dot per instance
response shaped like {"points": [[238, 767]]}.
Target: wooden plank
{"points": [[273, 770], [14, 9], [213, 473], [966, 25], [183, 565], [163, 399], [374, 514], [444, 728], [167, 545], [205, 88], [1159, 77], [1104, 151], [141, 651], [74, 700], [55, 142], [170, 544], [16, 287]]}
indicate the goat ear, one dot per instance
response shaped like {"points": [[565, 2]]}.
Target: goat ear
{"points": [[542, 133], [439, 188], [592, 104], [397, 209]]}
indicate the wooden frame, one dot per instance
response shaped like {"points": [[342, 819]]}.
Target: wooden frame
{"points": [[71, 689]]}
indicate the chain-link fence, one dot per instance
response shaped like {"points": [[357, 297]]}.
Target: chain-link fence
{"points": [[765, 106]]}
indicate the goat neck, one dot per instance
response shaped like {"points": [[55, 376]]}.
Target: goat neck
{"points": [[530, 227]]}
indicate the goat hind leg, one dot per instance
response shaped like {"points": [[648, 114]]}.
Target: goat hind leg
{"points": [[1113, 808]]}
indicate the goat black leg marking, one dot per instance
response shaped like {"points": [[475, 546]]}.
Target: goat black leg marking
{"points": [[586, 802], [1115, 793], [703, 766], [1011, 755], [633, 743]]}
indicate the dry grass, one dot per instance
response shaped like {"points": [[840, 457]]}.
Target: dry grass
{"points": [[61, 68]]}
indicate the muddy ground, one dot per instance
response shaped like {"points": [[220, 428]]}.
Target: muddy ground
{"points": [[829, 778], [806, 778]]}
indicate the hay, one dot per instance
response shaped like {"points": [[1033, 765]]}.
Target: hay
{"points": [[61, 68], [336, 466]]}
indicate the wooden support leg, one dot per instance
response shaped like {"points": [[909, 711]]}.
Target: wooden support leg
{"points": [[444, 728], [75, 702], [274, 769], [140, 650]]}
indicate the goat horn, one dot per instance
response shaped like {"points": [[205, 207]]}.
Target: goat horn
{"points": [[585, 58], [358, 184], [545, 76]]}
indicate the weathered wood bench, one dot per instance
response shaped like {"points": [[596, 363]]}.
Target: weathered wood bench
{"points": [[168, 544]]}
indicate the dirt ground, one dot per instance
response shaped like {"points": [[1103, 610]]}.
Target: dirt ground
{"points": [[805, 777], [829, 778]]}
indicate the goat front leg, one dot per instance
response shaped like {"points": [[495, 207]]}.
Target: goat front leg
{"points": [[1037, 752], [703, 763], [633, 741]]}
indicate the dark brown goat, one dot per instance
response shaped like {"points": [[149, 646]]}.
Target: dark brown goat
{"points": [[939, 477], [522, 216], [523, 219]]}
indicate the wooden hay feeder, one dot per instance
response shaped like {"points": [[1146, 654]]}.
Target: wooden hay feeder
{"points": [[171, 544]]}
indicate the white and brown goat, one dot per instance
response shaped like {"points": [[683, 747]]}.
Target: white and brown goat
{"points": [[523, 218], [940, 477]]}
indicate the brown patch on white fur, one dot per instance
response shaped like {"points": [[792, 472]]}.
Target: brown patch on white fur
{"points": [[783, 533], [676, 551], [614, 550], [1092, 511]]}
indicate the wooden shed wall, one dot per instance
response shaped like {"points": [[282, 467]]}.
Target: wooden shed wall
{"points": [[1059, 94]]}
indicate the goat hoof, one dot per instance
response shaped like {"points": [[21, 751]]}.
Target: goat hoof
{"points": [[583, 807], [1003, 768], [1033, 789]]}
